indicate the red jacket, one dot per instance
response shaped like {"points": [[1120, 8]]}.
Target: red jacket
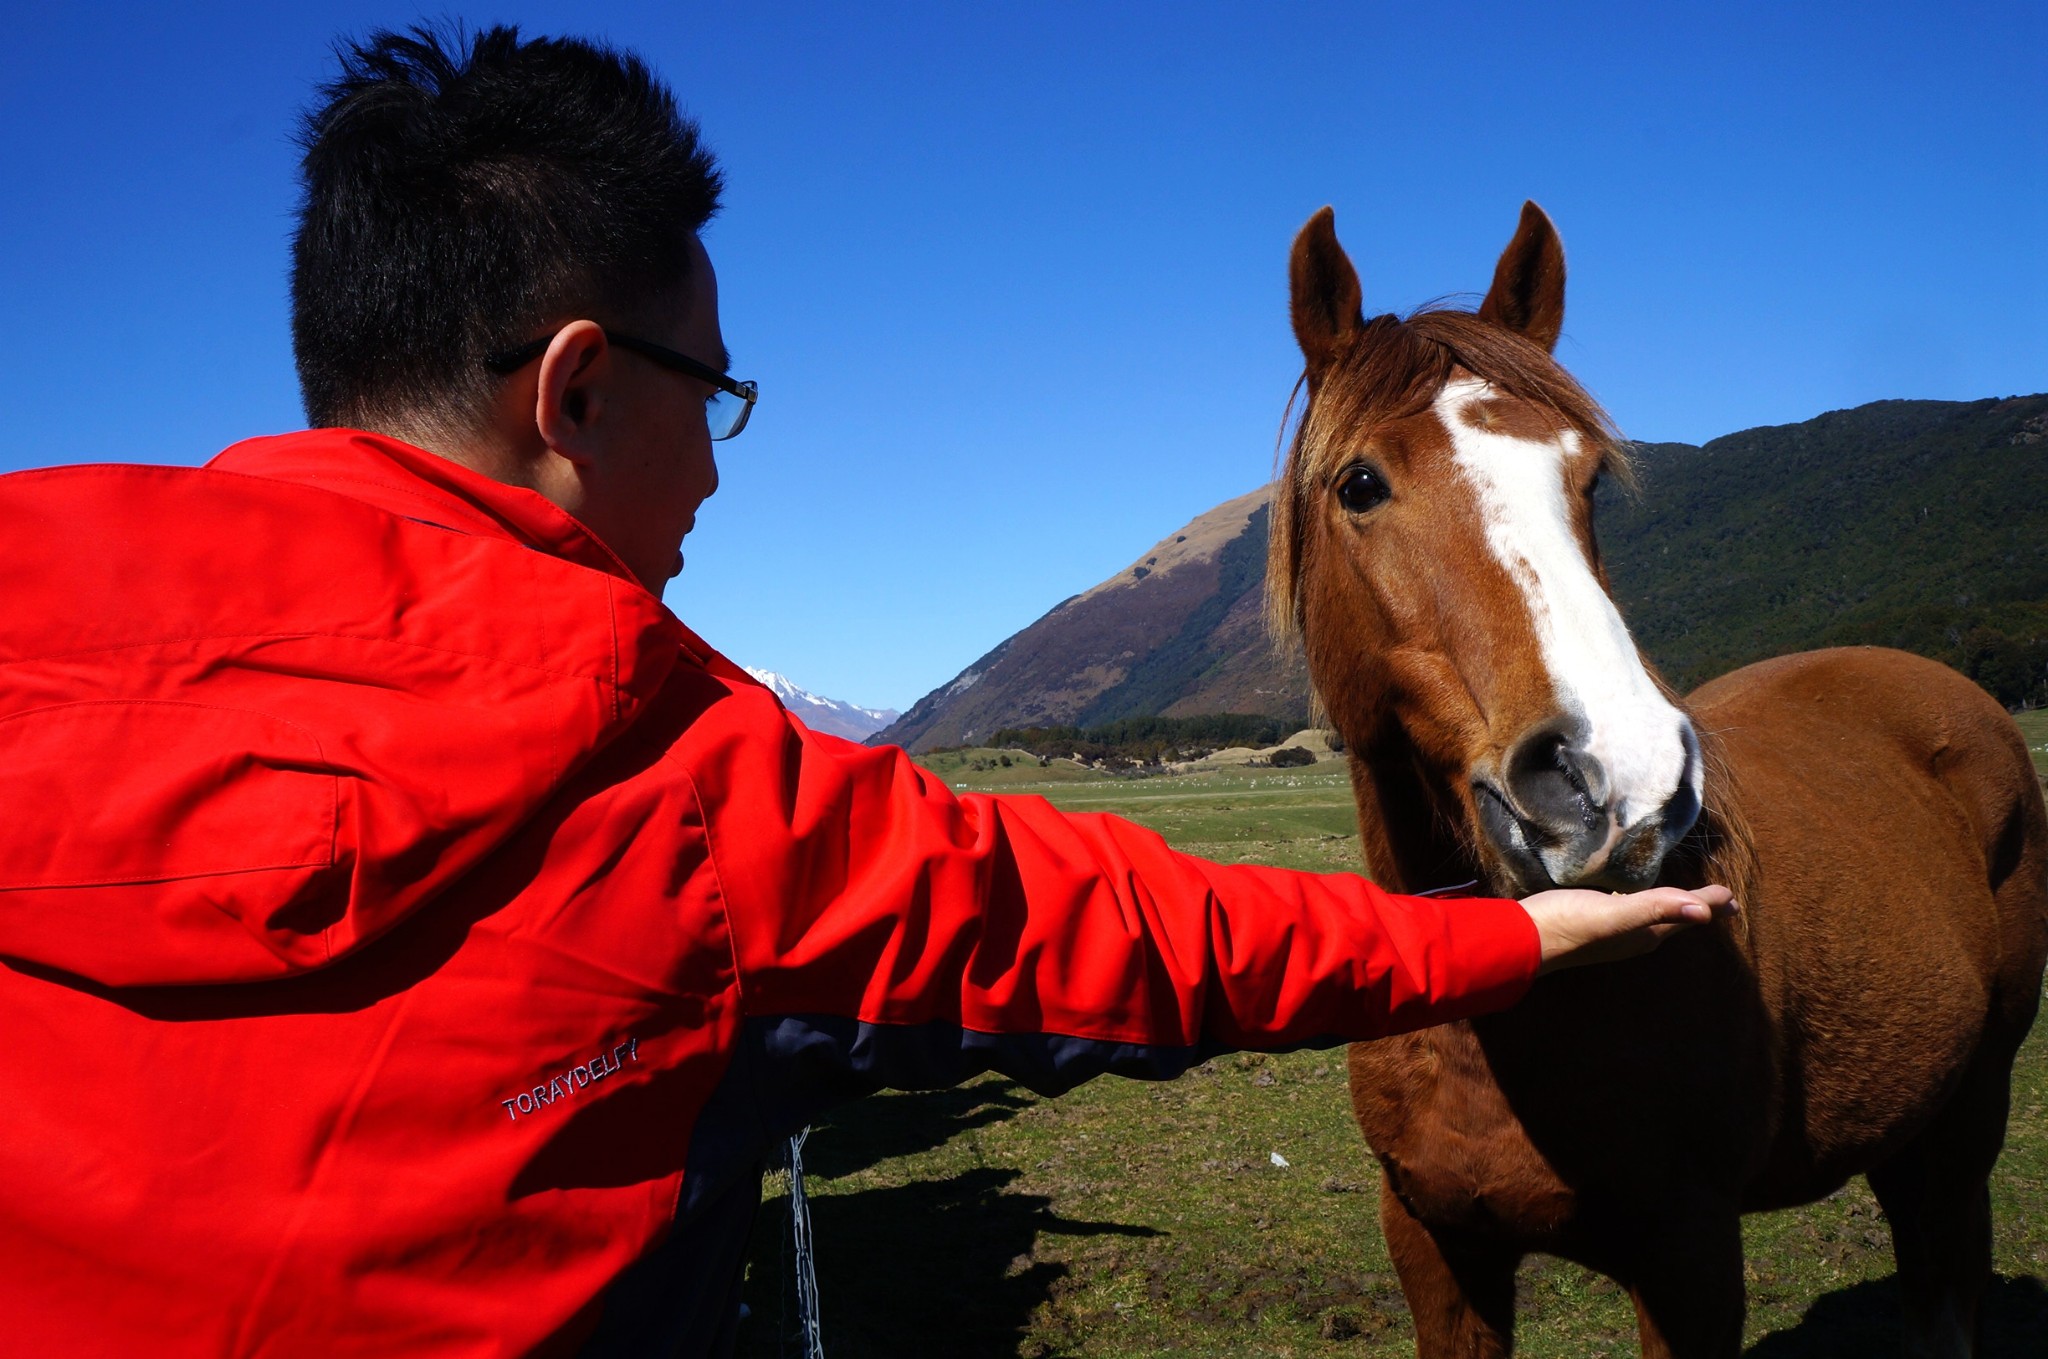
{"points": [[412, 937]]}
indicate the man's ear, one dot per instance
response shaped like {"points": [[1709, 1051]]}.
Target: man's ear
{"points": [[570, 396]]}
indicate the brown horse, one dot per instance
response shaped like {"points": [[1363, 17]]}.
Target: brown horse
{"points": [[1876, 814]]}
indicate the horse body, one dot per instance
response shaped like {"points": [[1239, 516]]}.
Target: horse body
{"points": [[1871, 1007], [1876, 813]]}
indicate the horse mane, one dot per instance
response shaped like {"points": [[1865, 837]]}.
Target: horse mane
{"points": [[1394, 367], [1720, 847]]}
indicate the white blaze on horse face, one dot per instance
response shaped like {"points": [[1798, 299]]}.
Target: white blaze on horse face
{"points": [[1638, 737]]}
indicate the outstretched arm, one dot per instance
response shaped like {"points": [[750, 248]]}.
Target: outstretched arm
{"points": [[863, 891]]}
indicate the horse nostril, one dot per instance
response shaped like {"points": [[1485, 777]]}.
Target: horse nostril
{"points": [[1556, 784]]}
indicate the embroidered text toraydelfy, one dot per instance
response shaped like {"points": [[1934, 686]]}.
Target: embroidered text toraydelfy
{"points": [[572, 1080]]}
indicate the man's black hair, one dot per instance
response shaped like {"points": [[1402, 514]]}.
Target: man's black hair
{"points": [[464, 192]]}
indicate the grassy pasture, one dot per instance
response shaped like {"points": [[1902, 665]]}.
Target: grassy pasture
{"points": [[1131, 1219], [2034, 726]]}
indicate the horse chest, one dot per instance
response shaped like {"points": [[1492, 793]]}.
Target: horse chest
{"points": [[1452, 1147]]}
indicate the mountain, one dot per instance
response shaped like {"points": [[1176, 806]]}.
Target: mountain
{"points": [[828, 715], [1917, 524], [1178, 632]]}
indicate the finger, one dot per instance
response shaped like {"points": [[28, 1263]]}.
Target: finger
{"points": [[1671, 905], [1720, 899], [1695, 905]]}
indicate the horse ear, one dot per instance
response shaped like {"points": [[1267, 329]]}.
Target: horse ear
{"points": [[1527, 295], [1325, 297]]}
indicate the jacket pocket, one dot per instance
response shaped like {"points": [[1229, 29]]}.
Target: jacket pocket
{"points": [[131, 791]]}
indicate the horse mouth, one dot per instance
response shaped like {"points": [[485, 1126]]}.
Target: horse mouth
{"points": [[1530, 856], [1514, 839]]}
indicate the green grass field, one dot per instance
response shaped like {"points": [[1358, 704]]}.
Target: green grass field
{"points": [[1129, 1219], [2034, 726]]}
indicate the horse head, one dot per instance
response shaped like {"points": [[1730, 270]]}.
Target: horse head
{"points": [[1433, 545]]}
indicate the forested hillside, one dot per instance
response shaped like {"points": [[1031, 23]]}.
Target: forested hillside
{"points": [[1916, 524]]}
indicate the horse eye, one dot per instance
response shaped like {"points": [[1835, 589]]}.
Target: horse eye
{"points": [[1363, 489]]}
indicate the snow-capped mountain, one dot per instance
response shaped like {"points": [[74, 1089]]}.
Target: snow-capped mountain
{"points": [[826, 714]]}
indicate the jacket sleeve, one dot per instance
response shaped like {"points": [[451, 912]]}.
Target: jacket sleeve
{"points": [[908, 937]]}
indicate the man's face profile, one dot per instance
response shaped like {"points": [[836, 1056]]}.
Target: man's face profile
{"points": [[668, 463], [618, 440]]}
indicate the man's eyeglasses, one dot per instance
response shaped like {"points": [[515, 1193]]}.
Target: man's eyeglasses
{"points": [[725, 414]]}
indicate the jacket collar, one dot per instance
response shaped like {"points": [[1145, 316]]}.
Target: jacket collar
{"points": [[406, 480], [414, 483]]}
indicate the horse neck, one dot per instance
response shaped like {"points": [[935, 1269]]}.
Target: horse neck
{"points": [[1411, 828]]}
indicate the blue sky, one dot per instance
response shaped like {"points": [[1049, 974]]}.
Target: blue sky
{"points": [[1013, 278]]}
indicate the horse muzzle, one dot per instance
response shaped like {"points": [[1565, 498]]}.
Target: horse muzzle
{"points": [[1552, 818]]}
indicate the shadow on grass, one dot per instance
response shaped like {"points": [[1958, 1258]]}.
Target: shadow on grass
{"points": [[936, 1267], [883, 1127], [1864, 1320]]}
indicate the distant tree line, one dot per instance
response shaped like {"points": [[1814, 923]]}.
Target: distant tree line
{"points": [[1148, 740]]}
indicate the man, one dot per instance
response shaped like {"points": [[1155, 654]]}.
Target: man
{"points": [[413, 936]]}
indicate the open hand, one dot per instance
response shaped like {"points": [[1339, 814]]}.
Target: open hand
{"points": [[1579, 926]]}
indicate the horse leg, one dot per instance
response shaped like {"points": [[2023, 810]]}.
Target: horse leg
{"points": [[1937, 1195], [1461, 1291], [1686, 1279], [1943, 1250]]}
